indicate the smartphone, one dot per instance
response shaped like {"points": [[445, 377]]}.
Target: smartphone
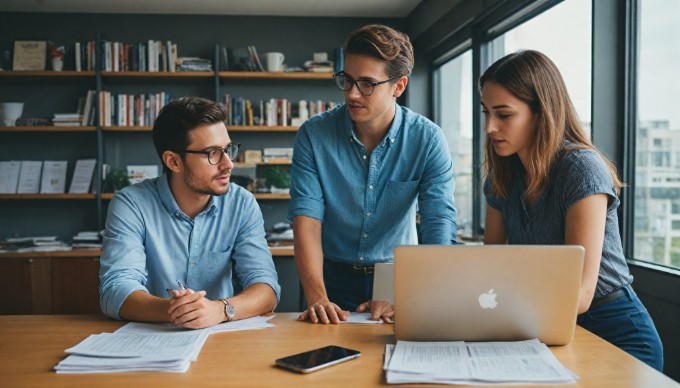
{"points": [[316, 359]]}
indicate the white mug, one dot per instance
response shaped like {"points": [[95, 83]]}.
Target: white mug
{"points": [[274, 61], [10, 112], [320, 57]]}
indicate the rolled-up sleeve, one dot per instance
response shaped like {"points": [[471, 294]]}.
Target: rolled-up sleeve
{"points": [[123, 262], [252, 257], [435, 200], [305, 191]]}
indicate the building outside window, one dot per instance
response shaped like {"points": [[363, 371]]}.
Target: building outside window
{"points": [[453, 113], [657, 178], [571, 52]]}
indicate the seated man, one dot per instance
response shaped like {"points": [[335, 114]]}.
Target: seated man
{"points": [[188, 227]]}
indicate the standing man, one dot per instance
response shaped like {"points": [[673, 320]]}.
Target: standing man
{"points": [[189, 226], [358, 172]]}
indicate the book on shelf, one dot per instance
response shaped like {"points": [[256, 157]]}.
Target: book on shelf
{"points": [[53, 179], [277, 155], [29, 177], [82, 176], [67, 119], [255, 59], [29, 55], [9, 176]]}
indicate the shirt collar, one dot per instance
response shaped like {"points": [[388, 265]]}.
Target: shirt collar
{"points": [[169, 202], [391, 133]]}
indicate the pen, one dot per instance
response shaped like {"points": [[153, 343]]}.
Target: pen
{"points": [[181, 287]]}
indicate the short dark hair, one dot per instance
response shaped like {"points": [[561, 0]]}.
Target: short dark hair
{"points": [[383, 43], [171, 127]]}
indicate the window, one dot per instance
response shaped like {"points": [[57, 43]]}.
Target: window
{"points": [[656, 229], [571, 52], [453, 113]]}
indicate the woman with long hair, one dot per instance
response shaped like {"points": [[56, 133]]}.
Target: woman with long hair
{"points": [[547, 184]]}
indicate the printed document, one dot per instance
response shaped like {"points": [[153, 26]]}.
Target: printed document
{"points": [[520, 362]]}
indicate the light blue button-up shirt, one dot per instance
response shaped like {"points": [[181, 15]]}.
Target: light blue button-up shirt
{"points": [[149, 244], [367, 203]]}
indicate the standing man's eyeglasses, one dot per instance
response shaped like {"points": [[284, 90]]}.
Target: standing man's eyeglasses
{"points": [[215, 154], [365, 87]]}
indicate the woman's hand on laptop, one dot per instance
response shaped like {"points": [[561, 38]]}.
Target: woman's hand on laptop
{"points": [[324, 311], [379, 309]]}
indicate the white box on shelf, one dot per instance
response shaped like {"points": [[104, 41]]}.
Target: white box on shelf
{"points": [[138, 173]]}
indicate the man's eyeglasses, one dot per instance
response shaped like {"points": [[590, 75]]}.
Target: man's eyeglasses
{"points": [[365, 87], [215, 154]]}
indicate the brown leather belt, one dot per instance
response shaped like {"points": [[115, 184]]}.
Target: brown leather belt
{"points": [[608, 298]]}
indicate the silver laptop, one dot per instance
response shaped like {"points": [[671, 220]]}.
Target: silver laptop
{"points": [[487, 293], [383, 282]]}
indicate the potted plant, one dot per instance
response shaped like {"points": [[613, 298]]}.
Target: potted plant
{"points": [[278, 178], [116, 180], [57, 55]]}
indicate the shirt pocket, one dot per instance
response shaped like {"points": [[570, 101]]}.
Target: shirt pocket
{"points": [[399, 196], [218, 262]]}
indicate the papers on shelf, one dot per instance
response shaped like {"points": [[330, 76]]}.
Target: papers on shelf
{"points": [[29, 177], [53, 177], [9, 176], [146, 347], [82, 176], [521, 362]]}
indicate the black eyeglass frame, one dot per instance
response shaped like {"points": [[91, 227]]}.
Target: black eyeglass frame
{"points": [[354, 82], [225, 151]]}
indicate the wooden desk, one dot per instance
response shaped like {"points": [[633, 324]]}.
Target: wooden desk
{"points": [[30, 345]]}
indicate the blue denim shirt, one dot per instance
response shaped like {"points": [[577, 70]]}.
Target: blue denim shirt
{"points": [[368, 203], [149, 244]]}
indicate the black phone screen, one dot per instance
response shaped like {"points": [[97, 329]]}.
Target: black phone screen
{"points": [[317, 358]]}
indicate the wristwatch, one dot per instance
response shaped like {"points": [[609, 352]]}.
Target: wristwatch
{"points": [[229, 309]]}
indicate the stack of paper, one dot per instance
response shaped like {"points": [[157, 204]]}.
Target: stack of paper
{"points": [[488, 363], [139, 347]]}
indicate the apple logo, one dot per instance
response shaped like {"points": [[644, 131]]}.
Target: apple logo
{"points": [[488, 300]]}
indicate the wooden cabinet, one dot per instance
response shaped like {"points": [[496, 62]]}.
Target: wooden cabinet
{"points": [[49, 283], [68, 282]]}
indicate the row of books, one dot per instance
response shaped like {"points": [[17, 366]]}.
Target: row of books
{"points": [[272, 112], [129, 109], [153, 56], [45, 177]]}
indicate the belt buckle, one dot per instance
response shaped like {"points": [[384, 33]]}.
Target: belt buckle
{"points": [[367, 270]]}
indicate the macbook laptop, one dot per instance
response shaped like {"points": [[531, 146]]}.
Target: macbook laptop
{"points": [[487, 292]]}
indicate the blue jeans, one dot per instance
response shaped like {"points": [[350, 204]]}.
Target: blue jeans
{"points": [[625, 323], [347, 288]]}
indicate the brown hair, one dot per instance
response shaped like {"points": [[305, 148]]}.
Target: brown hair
{"points": [[533, 78], [383, 43], [171, 127]]}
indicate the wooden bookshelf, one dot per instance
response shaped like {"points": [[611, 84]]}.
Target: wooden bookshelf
{"points": [[275, 75], [271, 196], [251, 165], [48, 196], [45, 128], [276, 251], [230, 128], [159, 74], [259, 196], [262, 128], [46, 73]]}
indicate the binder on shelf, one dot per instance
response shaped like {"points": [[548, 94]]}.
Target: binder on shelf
{"points": [[53, 179], [29, 177], [9, 176], [82, 176]]}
